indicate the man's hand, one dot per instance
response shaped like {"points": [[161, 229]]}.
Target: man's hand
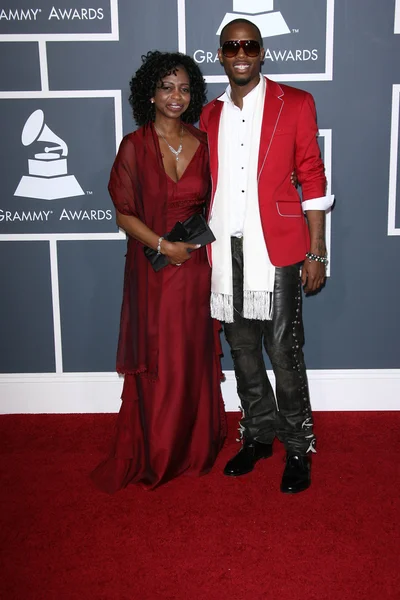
{"points": [[312, 275]]}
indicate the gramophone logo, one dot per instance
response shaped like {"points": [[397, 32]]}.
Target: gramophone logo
{"points": [[261, 13], [48, 177]]}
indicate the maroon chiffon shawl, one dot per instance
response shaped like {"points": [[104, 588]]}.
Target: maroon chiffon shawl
{"points": [[138, 187]]}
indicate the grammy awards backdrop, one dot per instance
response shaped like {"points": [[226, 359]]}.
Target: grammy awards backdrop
{"points": [[64, 72]]}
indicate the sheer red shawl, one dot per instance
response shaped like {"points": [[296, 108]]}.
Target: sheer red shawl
{"points": [[138, 187]]}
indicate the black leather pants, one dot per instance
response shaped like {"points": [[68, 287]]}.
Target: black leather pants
{"points": [[288, 414]]}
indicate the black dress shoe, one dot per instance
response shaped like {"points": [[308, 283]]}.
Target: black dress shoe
{"points": [[246, 458], [297, 474]]}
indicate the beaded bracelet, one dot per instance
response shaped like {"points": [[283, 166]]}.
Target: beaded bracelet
{"points": [[321, 259], [160, 239]]}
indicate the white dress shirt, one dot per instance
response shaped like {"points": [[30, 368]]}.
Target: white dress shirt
{"points": [[239, 122]]}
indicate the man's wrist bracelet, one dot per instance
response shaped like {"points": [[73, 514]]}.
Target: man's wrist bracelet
{"points": [[321, 259], [160, 239]]}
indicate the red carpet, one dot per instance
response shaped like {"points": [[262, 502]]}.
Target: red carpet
{"points": [[199, 539]]}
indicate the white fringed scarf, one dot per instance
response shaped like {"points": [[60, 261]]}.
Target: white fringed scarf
{"points": [[259, 273]]}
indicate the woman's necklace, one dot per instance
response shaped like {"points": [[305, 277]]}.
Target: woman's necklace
{"points": [[176, 152]]}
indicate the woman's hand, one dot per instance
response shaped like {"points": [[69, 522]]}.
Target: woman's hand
{"points": [[177, 252], [293, 179]]}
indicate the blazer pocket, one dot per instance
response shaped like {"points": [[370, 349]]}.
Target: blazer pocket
{"points": [[281, 131], [289, 208]]}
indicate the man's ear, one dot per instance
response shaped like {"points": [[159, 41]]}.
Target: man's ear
{"points": [[262, 54], [220, 56]]}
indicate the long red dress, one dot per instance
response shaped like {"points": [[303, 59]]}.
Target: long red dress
{"points": [[175, 422]]}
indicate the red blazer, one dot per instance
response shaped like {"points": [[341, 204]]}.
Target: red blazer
{"points": [[288, 143]]}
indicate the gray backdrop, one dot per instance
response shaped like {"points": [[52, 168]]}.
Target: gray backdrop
{"points": [[61, 259]]}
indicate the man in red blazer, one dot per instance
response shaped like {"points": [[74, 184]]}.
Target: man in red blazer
{"points": [[265, 248]]}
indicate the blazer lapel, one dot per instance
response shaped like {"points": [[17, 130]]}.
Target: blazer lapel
{"points": [[273, 105], [212, 133]]}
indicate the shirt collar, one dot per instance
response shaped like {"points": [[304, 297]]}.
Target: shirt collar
{"points": [[226, 96]]}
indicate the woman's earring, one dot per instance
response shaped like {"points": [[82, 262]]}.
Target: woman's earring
{"points": [[152, 100]]}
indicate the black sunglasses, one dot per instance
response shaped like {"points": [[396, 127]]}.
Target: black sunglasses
{"points": [[231, 48]]}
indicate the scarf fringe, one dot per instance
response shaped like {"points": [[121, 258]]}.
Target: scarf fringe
{"points": [[222, 307], [256, 305]]}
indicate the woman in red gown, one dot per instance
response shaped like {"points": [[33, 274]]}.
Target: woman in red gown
{"points": [[172, 418]]}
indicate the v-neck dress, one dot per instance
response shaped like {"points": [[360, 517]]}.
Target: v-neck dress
{"points": [[175, 424]]}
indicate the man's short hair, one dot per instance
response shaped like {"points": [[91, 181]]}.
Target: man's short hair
{"points": [[237, 21]]}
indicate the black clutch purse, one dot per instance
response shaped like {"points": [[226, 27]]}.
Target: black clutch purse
{"points": [[194, 230]]}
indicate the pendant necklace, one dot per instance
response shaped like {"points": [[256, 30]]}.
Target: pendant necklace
{"points": [[176, 152]]}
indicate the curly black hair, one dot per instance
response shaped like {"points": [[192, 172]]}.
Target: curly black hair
{"points": [[157, 65]]}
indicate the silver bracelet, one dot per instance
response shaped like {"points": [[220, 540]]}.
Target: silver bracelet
{"points": [[321, 259], [160, 239]]}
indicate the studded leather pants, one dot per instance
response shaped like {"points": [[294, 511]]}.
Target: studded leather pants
{"points": [[286, 414]]}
